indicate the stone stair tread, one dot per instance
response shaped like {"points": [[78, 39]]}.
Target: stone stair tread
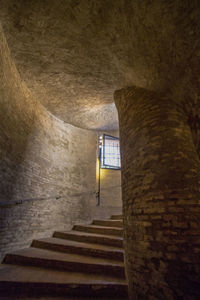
{"points": [[93, 226], [93, 234], [65, 257], [111, 222], [57, 298], [38, 282], [108, 220], [99, 229], [64, 242], [99, 226], [116, 217], [16, 273], [95, 238], [106, 230]]}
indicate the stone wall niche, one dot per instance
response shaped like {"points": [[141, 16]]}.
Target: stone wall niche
{"points": [[160, 191]]}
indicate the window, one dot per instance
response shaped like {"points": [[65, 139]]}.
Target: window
{"points": [[110, 153]]}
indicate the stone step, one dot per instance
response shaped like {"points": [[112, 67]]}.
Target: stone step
{"points": [[99, 229], [109, 240], [12, 297], [109, 223], [65, 261], [33, 282], [116, 217], [69, 246]]}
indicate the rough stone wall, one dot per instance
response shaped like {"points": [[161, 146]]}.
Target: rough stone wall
{"points": [[47, 167], [160, 192]]}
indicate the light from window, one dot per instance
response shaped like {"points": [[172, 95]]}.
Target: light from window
{"points": [[110, 153]]}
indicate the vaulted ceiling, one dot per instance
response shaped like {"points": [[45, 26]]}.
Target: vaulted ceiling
{"points": [[73, 54]]}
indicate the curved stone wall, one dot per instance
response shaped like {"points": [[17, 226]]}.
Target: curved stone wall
{"points": [[160, 192], [47, 167]]}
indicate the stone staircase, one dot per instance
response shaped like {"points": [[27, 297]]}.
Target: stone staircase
{"points": [[84, 263]]}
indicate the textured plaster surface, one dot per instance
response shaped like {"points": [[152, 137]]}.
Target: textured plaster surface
{"points": [[74, 54], [47, 167]]}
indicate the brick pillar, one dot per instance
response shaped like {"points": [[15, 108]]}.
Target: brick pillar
{"points": [[161, 198]]}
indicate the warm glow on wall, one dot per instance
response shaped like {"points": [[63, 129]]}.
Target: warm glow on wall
{"points": [[97, 169]]}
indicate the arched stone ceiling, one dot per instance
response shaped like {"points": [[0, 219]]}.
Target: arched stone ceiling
{"points": [[73, 54]]}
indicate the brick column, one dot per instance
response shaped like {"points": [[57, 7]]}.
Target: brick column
{"points": [[161, 198]]}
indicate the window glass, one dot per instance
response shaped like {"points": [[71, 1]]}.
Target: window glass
{"points": [[110, 156]]}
